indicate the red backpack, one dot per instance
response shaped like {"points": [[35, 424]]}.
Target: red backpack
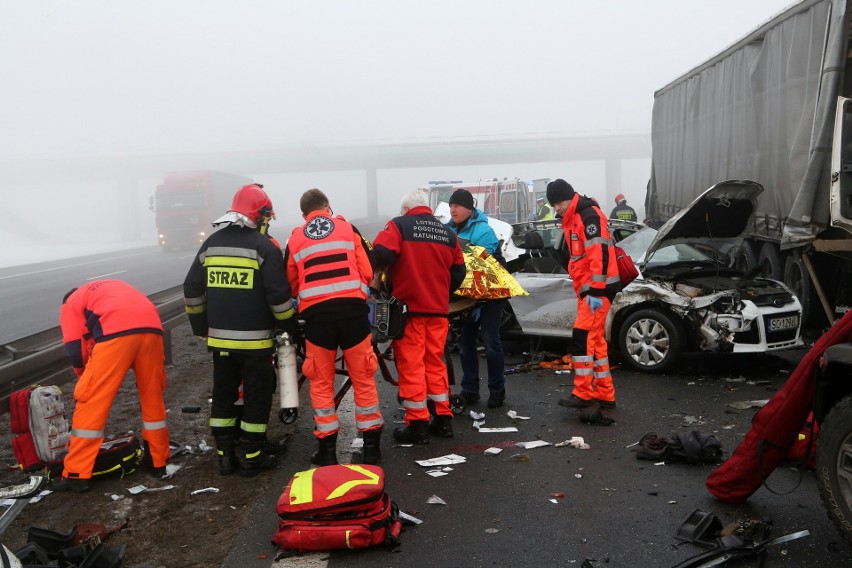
{"points": [[337, 507], [627, 271]]}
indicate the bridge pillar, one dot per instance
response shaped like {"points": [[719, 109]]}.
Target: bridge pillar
{"points": [[131, 229], [612, 172], [372, 194]]}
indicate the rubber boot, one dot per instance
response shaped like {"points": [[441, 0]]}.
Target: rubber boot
{"points": [[228, 461], [372, 449], [417, 432], [326, 453], [256, 460], [441, 426]]}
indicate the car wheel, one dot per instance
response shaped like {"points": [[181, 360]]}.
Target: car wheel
{"points": [[834, 465], [649, 340]]}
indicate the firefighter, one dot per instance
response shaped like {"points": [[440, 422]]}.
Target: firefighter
{"points": [[622, 210], [236, 295], [471, 226], [425, 266], [594, 272], [109, 327], [330, 273]]}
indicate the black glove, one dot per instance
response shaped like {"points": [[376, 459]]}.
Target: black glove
{"points": [[289, 325]]}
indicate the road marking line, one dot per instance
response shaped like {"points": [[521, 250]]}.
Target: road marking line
{"points": [[107, 274], [69, 266]]}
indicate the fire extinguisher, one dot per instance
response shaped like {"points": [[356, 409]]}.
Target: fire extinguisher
{"points": [[288, 378]]}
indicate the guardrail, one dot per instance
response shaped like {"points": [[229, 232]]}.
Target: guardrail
{"points": [[41, 358]]}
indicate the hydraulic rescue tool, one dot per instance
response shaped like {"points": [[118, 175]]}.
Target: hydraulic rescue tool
{"points": [[288, 378]]}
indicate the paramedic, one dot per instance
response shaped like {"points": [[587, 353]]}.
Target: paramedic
{"points": [[471, 226], [109, 327], [594, 272], [329, 272], [236, 295], [425, 265]]}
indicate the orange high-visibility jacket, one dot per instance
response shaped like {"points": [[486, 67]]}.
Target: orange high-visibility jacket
{"points": [[592, 264], [102, 310], [326, 260]]}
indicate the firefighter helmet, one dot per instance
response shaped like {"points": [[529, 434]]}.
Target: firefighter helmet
{"points": [[252, 201], [620, 197]]}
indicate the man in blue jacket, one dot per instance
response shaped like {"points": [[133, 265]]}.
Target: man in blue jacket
{"points": [[471, 226]]}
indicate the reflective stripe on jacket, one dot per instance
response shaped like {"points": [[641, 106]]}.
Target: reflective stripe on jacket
{"points": [[592, 264], [236, 291], [326, 260]]}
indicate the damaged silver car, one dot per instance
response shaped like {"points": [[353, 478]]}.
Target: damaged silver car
{"points": [[687, 297]]}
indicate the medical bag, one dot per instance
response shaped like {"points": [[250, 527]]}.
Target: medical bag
{"points": [[337, 507], [627, 271], [40, 431]]}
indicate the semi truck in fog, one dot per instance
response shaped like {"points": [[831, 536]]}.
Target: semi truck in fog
{"points": [[186, 204], [776, 108]]}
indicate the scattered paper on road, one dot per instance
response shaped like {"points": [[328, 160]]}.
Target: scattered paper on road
{"points": [[493, 451], [575, 442], [477, 415], [744, 404], [497, 430], [435, 500], [410, 518], [514, 416], [205, 490], [448, 459], [533, 444], [436, 473]]}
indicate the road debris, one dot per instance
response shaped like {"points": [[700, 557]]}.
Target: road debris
{"points": [[477, 415], [435, 500], [514, 416], [448, 459], [746, 404], [205, 490], [492, 451], [497, 430], [576, 442], [533, 444]]}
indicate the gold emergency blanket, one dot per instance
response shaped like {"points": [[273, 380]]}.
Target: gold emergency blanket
{"points": [[486, 279]]}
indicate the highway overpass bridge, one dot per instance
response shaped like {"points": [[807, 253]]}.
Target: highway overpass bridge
{"points": [[125, 171]]}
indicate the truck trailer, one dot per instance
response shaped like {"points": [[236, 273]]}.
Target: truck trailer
{"points": [[775, 108], [186, 204], [772, 108]]}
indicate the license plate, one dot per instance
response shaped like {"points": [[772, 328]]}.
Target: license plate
{"points": [[778, 324]]}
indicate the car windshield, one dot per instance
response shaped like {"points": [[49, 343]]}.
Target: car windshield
{"points": [[636, 247]]}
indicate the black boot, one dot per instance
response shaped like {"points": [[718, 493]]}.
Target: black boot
{"points": [[228, 461], [417, 432], [372, 449], [147, 463], [256, 460], [441, 426], [326, 453]]}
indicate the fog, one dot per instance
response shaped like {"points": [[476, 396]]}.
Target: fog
{"points": [[103, 80]]}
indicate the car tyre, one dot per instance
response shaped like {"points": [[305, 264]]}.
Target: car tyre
{"points": [[834, 465], [744, 259], [771, 262], [650, 340]]}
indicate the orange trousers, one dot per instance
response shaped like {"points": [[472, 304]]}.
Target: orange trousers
{"points": [[96, 389], [592, 378], [319, 368], [419, 356]]}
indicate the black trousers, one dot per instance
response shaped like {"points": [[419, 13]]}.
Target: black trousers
{"points": [[258, 377]]}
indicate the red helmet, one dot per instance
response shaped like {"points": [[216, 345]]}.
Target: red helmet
{"points": [[620, 197], [252, 201]]}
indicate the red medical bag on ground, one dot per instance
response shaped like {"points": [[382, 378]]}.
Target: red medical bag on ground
{"points": [[337, 507], [40, 431]]}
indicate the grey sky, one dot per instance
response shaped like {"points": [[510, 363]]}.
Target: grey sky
{"points": [[110, 77], [120, 76]]}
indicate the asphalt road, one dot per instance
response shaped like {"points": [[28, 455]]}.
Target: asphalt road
{"points": [[617, 511], [30, 295]]}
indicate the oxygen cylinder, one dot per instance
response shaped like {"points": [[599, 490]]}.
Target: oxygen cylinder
{"points": [[288, 379]]}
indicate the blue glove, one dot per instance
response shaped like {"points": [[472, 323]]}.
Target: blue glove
{"points": [[594, 303]]}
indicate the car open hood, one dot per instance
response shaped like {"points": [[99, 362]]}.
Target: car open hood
{"points": [[723, 212]]}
